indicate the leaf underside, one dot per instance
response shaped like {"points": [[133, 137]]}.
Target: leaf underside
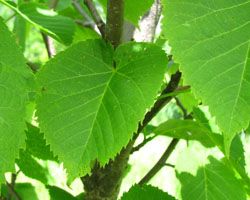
{"points": [[88, 110], [211, 41]]}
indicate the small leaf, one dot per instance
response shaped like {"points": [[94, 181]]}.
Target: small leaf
{"points": [[57, 193], [31, 168], [214, 181], [88, 110], [36, 144], [186, 129], [26, 191], [211, 41], [149, 129], [146, 192], [61, 26]]}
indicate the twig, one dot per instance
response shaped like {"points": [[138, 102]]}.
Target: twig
{"points": [[98, 20], [88, 24], [160, 103], [53, 4], [169, 165], [142, 144], [13, 181], [115, 20], [161, 162], [12, 191], [33, 66], [89, 21], [48, 41], [184, 110]]}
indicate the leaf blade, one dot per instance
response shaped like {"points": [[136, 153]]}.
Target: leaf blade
{"points": [[220, 50], [14, 78], [101, 106]]}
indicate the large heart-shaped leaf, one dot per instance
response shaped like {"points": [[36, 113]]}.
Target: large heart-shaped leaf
{"points": [[88, 109], [14, 75], [211, 41]]}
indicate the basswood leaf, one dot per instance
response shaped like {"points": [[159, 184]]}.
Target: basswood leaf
{"points": [[88, 110], [61, 26], [14, 77], [211, 41], [146, 192], [214, 181]]}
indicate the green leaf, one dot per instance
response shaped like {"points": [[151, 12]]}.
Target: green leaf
{"points": [[20, 31], [133, 10], [186, 129], [211, 41], [57, 193], [63, 4], [63, 27], [149, 129], [146, 192], [84, 33], [214, 181], [188, 101], [237, 152], [88, 110], [14, 78], [24, 190], [35, 147], [36, 144], [31, 168]]}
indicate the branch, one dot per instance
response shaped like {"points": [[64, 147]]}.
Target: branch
{"points": [[12, 191], [13, 181], [98, 20], [115, 20], [160, 163], [142, 144], [89, 21], [179, 104], [48, 41], [160, 103]]}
